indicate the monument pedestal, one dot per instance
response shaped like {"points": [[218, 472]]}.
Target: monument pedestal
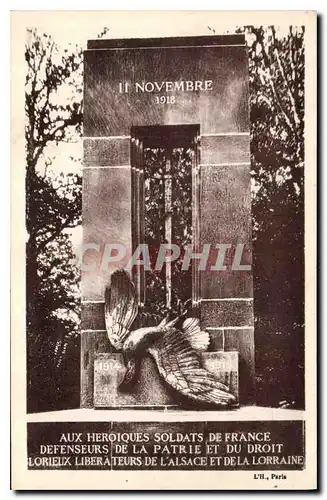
{"points": [[150, 391]]}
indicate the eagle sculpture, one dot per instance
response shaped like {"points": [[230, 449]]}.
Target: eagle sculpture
{"points": [[176, 351]]}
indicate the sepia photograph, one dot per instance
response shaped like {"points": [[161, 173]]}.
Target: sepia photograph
{"points": [[166, 263]]}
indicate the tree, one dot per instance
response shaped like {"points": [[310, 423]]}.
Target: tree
{"points": [[276, 66], [53, 108]]}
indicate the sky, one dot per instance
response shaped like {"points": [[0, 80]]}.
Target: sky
{"points": [[76, 27]]}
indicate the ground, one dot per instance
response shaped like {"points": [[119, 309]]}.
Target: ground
{"points": [[245, 413]]}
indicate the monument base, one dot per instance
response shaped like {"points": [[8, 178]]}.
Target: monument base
{"points": [[150, 391]]}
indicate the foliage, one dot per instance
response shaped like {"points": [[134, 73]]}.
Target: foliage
{"points": [[276, 66], [53, 208]]}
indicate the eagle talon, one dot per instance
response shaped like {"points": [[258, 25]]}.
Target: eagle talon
{"points": [[129, 377]]}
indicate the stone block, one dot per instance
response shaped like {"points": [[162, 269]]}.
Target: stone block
{"points": [[108, 112], [242, 340], [109, 370], [92, 316], [106, 152], [224, 365], [226, 219], [91, 344], [151, 391], [216, 340], [226, 204], [106, 220], [225, 149], [225, 313]]}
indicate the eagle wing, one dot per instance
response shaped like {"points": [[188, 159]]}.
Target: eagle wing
{"points": [[120, 307], [180, 366]]}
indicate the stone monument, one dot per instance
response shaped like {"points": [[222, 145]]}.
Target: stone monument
{"points": [[158, 112]]}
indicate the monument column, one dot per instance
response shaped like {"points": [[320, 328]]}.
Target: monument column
{"points": [[200, 81]]}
